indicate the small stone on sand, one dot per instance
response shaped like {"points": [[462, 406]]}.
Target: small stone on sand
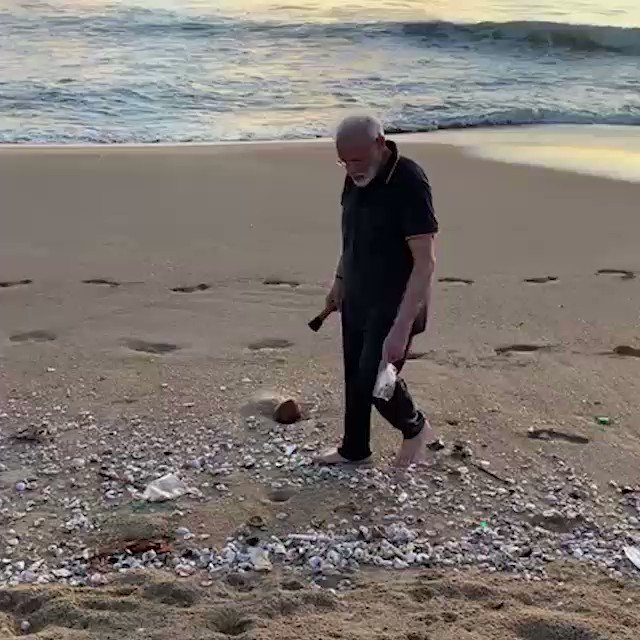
{"points": [[287, 412]]}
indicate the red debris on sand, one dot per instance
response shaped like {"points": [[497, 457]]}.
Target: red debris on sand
{"points": [[133, 547]]}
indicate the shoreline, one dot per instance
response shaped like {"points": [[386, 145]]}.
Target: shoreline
{"points": [[601, 151], [423, 136]]}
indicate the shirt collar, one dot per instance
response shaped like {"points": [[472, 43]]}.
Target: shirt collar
{"points": [[389, 168]]}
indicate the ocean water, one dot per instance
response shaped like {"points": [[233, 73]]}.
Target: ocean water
{"points": [[208, 70]]}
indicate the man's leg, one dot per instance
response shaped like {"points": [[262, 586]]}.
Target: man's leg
{"points": [[401, 412], [357, 415], [363, 353]]}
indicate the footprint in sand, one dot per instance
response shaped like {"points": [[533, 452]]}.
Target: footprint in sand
{"points": [[624, 274], [39, 335], [552, 434], [157, 348], [270, 344], [541, 280], [102, 281], [191, 288], [560, 523], [282, 494], [280, 282], [555, 626], [448, 280], [522, 348], [5, 284], [229, 621], [626, 350], [172, 594]]}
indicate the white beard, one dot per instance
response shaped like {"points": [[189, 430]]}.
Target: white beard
{"points": [[365, 179]]}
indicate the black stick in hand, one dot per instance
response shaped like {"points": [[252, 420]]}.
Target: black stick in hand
{"points": [[318, 321]]}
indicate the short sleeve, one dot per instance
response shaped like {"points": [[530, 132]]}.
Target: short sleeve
{"points": [[418, 215]]}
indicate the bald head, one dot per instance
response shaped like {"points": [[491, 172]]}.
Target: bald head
{"points": [[361, 147]]}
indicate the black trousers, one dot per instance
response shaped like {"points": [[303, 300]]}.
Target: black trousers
{"points": [[362, 339]]}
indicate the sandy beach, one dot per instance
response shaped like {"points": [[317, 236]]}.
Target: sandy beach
{"points": [[149, 296]]}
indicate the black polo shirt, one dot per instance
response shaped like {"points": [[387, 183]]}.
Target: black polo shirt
{"points": [[377, 220]]}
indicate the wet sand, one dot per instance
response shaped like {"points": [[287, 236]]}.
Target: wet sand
{"points": [[599, 150], [140, 285]]}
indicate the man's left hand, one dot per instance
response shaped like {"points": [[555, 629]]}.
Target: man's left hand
{"points": [[395, 345]]}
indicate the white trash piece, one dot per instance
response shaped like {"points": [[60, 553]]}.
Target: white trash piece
{"points": [[633, 554], [260, 559], [386, 382], [168, 487]]}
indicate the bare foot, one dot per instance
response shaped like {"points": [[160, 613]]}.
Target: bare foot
{"points": [[414, 451], [332, 456]]}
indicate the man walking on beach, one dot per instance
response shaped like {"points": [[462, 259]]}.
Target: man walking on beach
{"points": [[382, 284]]}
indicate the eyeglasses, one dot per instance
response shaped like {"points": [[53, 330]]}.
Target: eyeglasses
{"points": [[360, 162], [345, 163]]}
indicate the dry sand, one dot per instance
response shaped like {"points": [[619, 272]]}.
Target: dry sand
{"points": [[409, 606], [76, 355]]}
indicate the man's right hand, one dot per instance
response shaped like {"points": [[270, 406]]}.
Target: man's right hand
{"points": [[336, 294]]}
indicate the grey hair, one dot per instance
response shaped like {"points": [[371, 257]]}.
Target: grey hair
{"points": [[363, 127]]}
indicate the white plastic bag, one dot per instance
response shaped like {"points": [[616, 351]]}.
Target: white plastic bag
{"points": [[386, 382], [168, 487]]}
